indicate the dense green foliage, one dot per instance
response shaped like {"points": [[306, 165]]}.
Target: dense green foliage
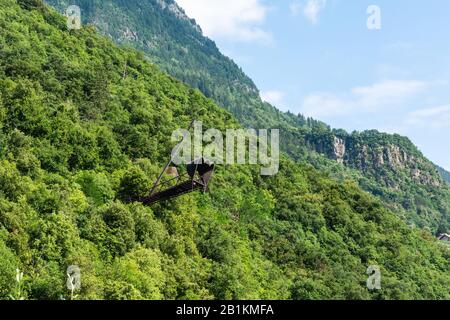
{"points": [[79, 137], [445, 174], [175, 43], [393, 169]]}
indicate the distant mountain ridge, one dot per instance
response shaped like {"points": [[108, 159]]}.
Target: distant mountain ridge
{"points": [[444, 173], [85, 126], [389, 166]]}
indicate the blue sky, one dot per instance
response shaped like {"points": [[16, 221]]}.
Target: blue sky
{"points": [[318, 58]]}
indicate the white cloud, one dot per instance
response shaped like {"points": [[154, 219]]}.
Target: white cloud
{"points": [[295, 8], [388, 92], [382, 95], [274, 97], [313, 8], [436, 117], [238, 20]]}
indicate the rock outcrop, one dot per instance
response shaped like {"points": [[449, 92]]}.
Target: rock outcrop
{"points": [[378, 159], [339, 149]]}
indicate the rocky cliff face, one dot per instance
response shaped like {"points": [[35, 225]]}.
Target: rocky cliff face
{"points": [[379, 159], [339, 149]]}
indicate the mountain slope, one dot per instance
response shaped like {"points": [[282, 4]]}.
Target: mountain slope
{"points": [[175, 43], [78, 136], [393, 169], [445, 174]]}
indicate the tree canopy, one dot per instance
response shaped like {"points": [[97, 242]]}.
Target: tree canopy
{"points": [[79, 136]]}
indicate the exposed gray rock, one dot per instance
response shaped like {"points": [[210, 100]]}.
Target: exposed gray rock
{"points": [[339, 149]]}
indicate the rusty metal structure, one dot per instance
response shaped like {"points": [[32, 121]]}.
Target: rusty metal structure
{"points": [[196, 176]]}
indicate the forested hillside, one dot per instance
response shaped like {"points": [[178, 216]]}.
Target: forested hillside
{"points": [[84, 125], [410, 185], [393, 169], [445, 174]]}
